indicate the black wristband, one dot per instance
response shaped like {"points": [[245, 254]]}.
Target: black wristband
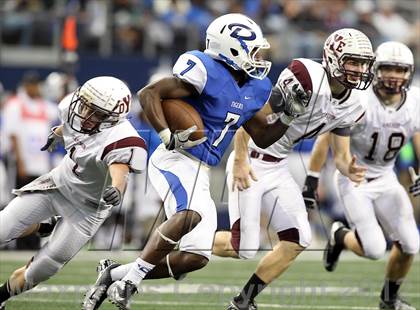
{"points": [[312, 182]]}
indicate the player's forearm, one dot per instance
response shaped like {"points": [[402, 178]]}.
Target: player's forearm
{"points": [[241, 145], [150, 101], [319, 153], [119, 175], [341, 152]]}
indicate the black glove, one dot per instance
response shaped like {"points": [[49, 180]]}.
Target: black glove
{"points": [[52, 141], [112, 196], [309, 193]]}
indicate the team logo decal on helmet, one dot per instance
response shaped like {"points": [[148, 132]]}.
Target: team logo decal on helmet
{"points": [[236, 40]]}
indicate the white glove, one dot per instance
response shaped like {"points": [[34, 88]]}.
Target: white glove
{"points": [[180, 139], [295, 102], [52, 141], [415, 178]]}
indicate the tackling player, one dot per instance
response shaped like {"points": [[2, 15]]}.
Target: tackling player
{"points": [[335, 104], [392, 118], [102, 148]]}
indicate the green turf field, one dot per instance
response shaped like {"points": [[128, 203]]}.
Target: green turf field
{"points": [[355, 285]]}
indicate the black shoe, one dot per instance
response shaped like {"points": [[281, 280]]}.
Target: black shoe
{"points": [[46, 228], [236, 305], [397, 304], [333, 250], [95, 296], [120, 292]]}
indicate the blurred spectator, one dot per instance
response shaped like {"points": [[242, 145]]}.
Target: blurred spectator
{"points": [[391, 25], [364, 11], [28, 118], [25, 22]]}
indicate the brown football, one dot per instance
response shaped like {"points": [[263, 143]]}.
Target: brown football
{"points": [[180, 115]]}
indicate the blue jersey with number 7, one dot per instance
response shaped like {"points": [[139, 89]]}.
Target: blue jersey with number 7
{"points": [[221, 103]]}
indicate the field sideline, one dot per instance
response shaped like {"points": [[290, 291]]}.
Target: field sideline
{"points": [[355, 284]]}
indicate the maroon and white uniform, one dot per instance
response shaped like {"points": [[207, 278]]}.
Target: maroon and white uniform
{"points": [[276, 192], [72, 190], [376, 141]]}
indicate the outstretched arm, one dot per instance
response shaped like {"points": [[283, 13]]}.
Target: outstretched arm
{"points": [[113, 194], [344, 161], [241, 168]]}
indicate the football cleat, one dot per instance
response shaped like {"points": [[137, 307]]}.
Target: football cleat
{"points": [[242, 305], [333, 250], [3, 306], [120, 292], [397, 304], [95, 296]]}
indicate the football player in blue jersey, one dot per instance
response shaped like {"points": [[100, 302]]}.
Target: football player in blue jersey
{"points": [[227, 85]]}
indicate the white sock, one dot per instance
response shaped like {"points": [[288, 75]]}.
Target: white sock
{"points": [[138, 271], [119, 272]]}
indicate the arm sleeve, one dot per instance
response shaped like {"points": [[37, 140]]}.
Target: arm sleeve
{"points": [[190, 69], [134, 157], [130, 150]]}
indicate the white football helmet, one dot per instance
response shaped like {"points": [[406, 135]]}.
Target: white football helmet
{"points": [[100, 103], [57, 85], [393, 54], [345, 44], [236, 39]]}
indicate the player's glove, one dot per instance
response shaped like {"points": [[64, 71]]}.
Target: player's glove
{"points": [[112, 196], [52, 141], [309, 193], [295, 101], [415, 186], [180, 139]]}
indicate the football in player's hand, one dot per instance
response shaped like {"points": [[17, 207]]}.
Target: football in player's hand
{"points": [[180, 115]]}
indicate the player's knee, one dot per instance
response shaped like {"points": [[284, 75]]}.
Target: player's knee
{"points": [[301, 237], [411, 247], [41, 269], [245, 240], [187, 220], [374, 249], [196, 262]]}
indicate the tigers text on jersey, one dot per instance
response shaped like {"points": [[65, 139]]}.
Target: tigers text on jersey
{"points": [[324, 113], [377, 139], [222, 104], [83, 172]]}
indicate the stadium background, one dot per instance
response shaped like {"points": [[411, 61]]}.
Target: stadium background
{"points": [[138, 40]]}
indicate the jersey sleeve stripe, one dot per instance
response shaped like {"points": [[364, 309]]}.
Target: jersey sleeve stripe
{"points": [[123, 143], [301, 73]]}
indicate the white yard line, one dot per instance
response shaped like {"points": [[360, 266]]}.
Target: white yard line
{"points": [[217, 289], [176, 303]]}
